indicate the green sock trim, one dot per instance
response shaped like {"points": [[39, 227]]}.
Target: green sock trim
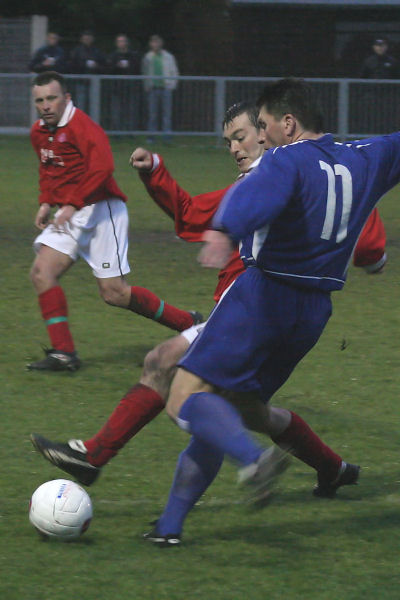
{"points": [[55, 320], [160, 311]]}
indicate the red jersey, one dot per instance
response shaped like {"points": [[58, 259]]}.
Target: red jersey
{"points": [[76, 162], [192, 216]]}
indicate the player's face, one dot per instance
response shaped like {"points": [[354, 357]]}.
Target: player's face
{"points": [[243, 141], [275, 131], [50, 102]]}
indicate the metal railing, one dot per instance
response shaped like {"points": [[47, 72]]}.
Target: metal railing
{"points": [[353, 107]]}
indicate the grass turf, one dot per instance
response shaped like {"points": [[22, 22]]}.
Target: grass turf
{"points": [[300, 546]]}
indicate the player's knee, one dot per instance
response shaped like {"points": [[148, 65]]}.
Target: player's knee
{"points": [[34, 274], [113, 296], [160, 361], [151, 362], [38, 275]]}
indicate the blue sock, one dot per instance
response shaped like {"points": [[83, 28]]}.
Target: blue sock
{"points": [[215, 421], [197, 467]]}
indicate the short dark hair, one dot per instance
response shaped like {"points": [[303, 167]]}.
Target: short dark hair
{"points": [[240, 108], [292, 96], [47, 77]]}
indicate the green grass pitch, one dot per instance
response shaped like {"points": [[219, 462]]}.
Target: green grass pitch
{"points": [[300, 547]]}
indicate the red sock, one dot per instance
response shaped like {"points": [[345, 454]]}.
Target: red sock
{"points": [[145, 303], [137, 408], [53, 305], [308, 447]]}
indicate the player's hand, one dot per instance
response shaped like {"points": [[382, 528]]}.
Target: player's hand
{"points": [[64, 215], [141, 159], [217, 249], [42, 216]]}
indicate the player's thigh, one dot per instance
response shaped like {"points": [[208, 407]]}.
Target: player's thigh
{"points": [[184, 385], [236, 337], [50, 263]]}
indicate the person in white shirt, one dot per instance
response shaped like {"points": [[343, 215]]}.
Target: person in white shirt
{"points": [[162, 66]]}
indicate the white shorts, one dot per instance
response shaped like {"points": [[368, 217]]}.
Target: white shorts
{"points": [[191, 334], [98, 233]]}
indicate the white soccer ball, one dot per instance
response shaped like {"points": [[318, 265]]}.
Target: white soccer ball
{"points": [[60, 509]]}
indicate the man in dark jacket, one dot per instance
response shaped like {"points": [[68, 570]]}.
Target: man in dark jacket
{"points": [[125, 93], [50, 57], [380, 65], [86, 59]]}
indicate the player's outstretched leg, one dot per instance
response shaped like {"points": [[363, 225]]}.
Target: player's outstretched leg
{"points": [[140, 405], [214, 421], [83, 460], [196, 469], [70, 457]]}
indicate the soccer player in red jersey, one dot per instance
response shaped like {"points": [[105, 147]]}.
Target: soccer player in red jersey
{"points": [[76, 177]]}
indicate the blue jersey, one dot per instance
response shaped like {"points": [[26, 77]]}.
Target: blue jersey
{"points": [[298, 215]]}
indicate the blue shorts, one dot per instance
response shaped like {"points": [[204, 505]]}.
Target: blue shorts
{"points": [[257, 334]]}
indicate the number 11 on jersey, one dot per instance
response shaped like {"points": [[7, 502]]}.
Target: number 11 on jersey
{"points": [[331, 201]]}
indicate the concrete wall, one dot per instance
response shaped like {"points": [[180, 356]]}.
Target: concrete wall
{"points": [[19, 38]]}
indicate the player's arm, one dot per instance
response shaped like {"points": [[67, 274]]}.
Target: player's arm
{"points": [[43, 216], [64, 215], [217, 250], [192, 214], [44, 189]]}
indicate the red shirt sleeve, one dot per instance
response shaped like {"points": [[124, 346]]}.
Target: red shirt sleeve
{"points": [[192, 214]]}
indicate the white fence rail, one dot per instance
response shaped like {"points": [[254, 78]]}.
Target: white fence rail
{"points": [[353, 107]]}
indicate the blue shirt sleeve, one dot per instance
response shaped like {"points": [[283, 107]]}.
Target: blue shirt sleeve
{"points": [[258, 199]]}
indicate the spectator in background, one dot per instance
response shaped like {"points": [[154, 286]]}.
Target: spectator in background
{"points": [[86, 58], [50, 56], [124, 60], [124, 105], [380, 64], [163, 67]]}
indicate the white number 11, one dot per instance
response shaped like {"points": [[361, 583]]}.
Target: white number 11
{"points": [[347, 199]]}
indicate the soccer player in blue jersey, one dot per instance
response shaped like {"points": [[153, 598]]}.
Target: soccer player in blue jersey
{"points": [[297, 218]]}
